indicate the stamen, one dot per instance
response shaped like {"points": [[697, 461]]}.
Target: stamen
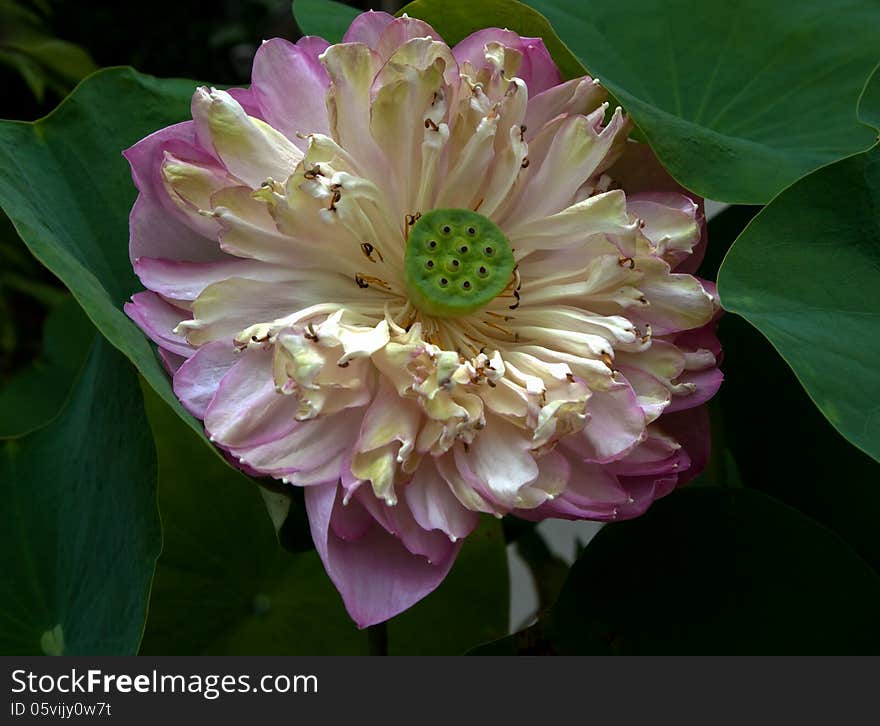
{"points": [[365, 281], [368, 249], [501, 329], [314, 172]]}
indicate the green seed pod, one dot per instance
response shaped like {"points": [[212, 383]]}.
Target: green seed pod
{"points": [[456, 262]]}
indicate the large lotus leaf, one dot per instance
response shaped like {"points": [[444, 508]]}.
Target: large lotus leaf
{"points": [[35, 394], [79, 527], [68, 191], [806, 273]]}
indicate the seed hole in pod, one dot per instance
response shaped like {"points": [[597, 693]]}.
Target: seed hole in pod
{"points": [[432, 244], [455, 263], [483, 272], [489, 251], [463, 249], [443, 282], [466, 284], [471, 231], [429, 264], [446, 229]]}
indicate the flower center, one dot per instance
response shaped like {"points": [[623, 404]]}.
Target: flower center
{"points": [[456, 262]]}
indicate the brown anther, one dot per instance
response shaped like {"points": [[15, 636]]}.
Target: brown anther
{"points": [[516, 304], [314, 172], [367, 280], [525, 163], [411, 219], [642, 299], [628, 262], [310, 333], [368, 249], [335, 197], [491, 383], [608, 361], [570, 377], [522, 132], [429, 124], [479, 204], [344, 364]]}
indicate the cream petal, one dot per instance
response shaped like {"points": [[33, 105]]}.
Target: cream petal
{"points": [[249, 148], [577, 96], [225, 308], [600, 214], [352, 68], [387, 438], [577, 152], [500, 457]]}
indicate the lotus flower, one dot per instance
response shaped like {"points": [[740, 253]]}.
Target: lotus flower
{"points": [[425, 283]]}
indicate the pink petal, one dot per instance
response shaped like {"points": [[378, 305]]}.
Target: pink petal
{"points": [[158, 226], [579, 95], [290, 85], [657, 456], [707, 384], [643, 491], [693, 431], [351, 521], [312, 45], [247, 411], [248, 101], [673, 221], [171, 361], [376, 576], [398, 521], [638, 170], [434, 506], [197, 380], [398, 32], [157, 319], [592, 493], [185, 281], [538, 69], [616, 424], [367, 28], [317, 445]]}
